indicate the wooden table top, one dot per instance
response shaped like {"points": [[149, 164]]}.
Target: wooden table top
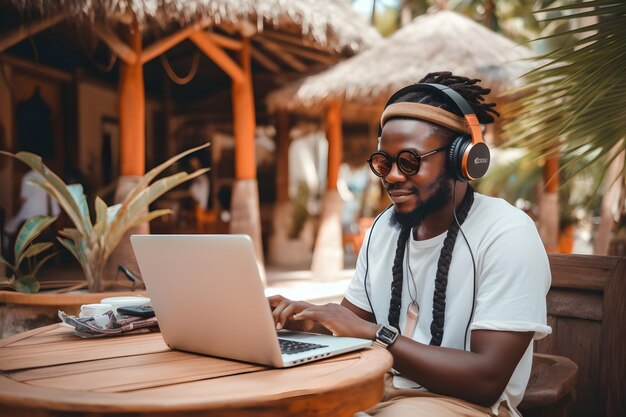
{"points": [[50, 370]]}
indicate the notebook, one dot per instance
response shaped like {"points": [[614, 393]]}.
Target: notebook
{"points": [[208, 298]]}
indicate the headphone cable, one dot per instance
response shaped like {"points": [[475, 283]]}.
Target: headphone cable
{"points": [[469, 321], [367, 261]]}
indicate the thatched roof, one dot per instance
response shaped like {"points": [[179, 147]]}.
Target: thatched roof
{"points": [[331, 24], [444, 41]]}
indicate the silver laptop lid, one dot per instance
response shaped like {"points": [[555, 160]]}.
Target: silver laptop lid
{"points": [[208, 296]]}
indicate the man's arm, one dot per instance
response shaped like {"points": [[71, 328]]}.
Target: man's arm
{"points": [[479, 376]]}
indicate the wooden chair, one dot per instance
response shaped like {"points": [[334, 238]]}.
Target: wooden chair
{"points": [[550, 390], [586, 311]]}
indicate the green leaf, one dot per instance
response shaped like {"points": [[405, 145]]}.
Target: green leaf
{"points": [[126, 219], [32, 228], [27, 284], [53, 185], [73, 248], [33, 250], [151, 216], [147, 179], [576, 100], [71, 233], [99, 227], [76, 190]]}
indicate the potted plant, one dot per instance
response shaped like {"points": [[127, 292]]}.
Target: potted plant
{"points": [[25, 279], [90, 242]]}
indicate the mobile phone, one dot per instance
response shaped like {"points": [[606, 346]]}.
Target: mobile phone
{"points": [[140, 311]]}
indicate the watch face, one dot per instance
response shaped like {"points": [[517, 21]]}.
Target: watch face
{"points": [[387, 334]]}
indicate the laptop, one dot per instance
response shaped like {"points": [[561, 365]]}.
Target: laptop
{"points": [[208, 298]]}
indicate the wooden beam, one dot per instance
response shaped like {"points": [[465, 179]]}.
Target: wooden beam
{"points": [[262, 59], [335, 143], [294, 40], [162, 45], [24, 31], [132, 105], [225, 41], [217, 55], [244, 123], [48, 72], [306, 53], [288, 59], [125, 52]]}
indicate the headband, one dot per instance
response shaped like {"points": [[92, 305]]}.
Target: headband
{"points": [[425, 112]]}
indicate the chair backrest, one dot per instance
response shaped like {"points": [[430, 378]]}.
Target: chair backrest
{"points": [[586, 311]]}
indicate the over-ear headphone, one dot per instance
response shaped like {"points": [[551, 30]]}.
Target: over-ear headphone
{"points": [[468, 156]]}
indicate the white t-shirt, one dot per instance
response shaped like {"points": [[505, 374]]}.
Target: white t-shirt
{"points": [[512, 280], [36, 202]]}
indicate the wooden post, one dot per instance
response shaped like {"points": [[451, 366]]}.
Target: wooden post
{"points": [[132, 108], [282, 165], [328, 252], [244, 119], [246, 216], [335, 143], [549, 204], [132, 111], [551, 174], [285, 250]]}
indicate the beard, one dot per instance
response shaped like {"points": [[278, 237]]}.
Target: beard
{"points": [[440, 196]]}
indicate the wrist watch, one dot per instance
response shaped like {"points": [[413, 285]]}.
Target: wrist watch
{"points": [[385, 336]]}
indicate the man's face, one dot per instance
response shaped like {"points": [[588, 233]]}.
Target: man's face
{"points": [[430, 188]]}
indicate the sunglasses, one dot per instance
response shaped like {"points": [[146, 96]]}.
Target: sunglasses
{"points": [[408, 162]]}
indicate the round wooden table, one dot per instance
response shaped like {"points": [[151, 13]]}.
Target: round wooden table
{"points": [[49, 371]]}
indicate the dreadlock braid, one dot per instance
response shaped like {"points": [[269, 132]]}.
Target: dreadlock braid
{"points": [[443, 267], [396, 283]]}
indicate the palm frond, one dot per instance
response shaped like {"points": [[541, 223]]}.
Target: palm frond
{"points": [[576, 101]]}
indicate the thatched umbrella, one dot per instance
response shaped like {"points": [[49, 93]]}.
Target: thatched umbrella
{"points": [[357, 88], [441, 41], [331, 24], [274, 33]]}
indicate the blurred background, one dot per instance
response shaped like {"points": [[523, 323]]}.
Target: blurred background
{"points": [[288, 94]]}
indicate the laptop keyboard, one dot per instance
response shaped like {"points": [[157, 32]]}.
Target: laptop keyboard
{"points": [[290, 347]]}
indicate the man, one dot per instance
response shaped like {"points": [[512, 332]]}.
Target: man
{"points": [[467, 310]]}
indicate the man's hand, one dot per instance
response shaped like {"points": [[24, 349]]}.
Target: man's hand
{"points": [[339, 320], [283, 310]]}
